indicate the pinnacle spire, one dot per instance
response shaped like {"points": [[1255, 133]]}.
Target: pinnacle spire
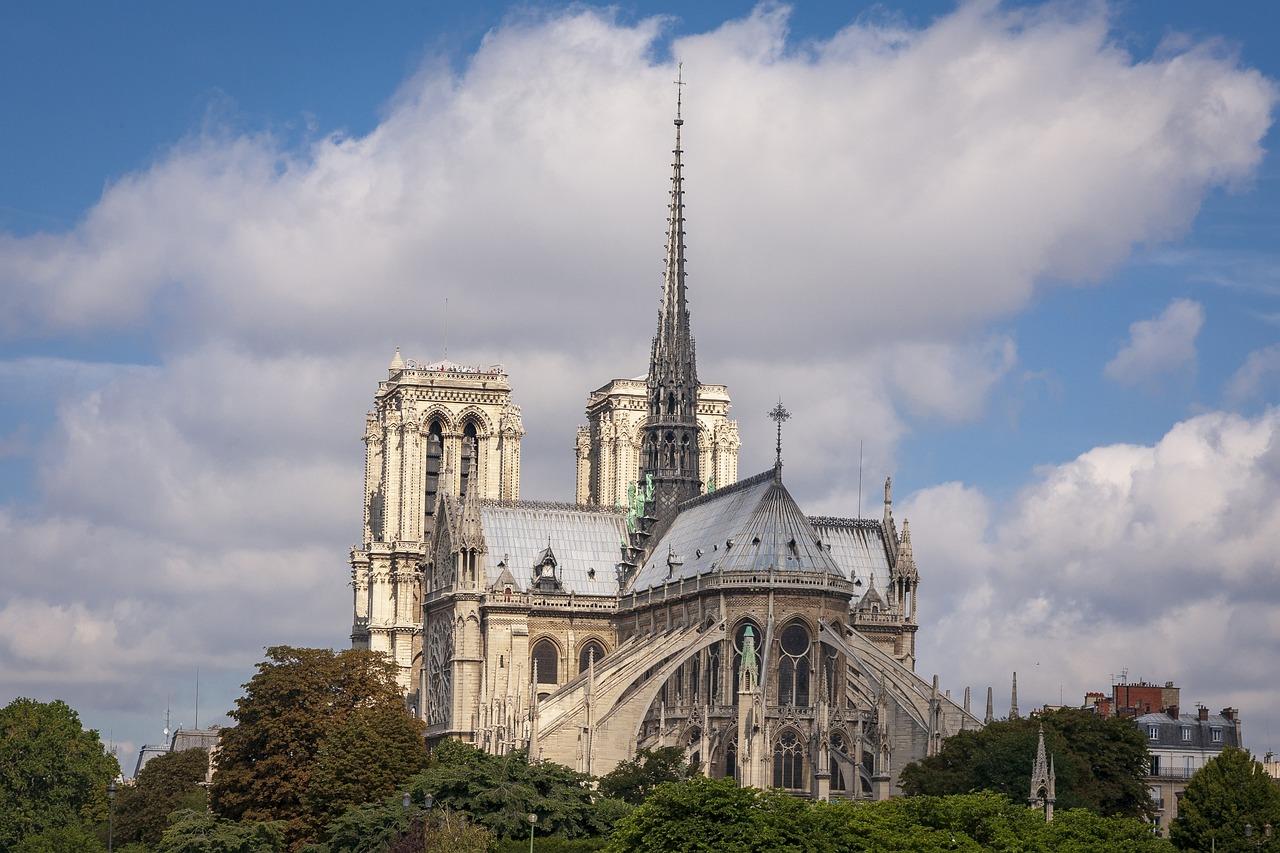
{"points": [[991, 710], [1013, 699], [671, 434]]}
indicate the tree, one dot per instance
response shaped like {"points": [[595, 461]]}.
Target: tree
{"points": [[634, 779], [499, 792], [1231, 790], [713, 816], [168, 783], [1100, 763], [63, 839], [202, 832], [366, 757], [53, 773], [298, 701]]}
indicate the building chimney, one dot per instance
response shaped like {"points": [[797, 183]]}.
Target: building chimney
{"points": [[1229, 713], [1202, 713], [1173, 711]]}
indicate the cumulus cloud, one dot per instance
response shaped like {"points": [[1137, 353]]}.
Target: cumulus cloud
{"points": [[861, 210], [1159, 558], [1258, 373], [1164, 344]]}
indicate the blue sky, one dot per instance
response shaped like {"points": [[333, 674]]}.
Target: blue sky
{"points": [[975, 408]]}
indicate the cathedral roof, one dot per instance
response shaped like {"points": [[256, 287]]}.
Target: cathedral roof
{"points": [[586, 541], [752, 525], [858, 547]]}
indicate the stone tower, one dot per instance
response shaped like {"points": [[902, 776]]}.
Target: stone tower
{"points": [[435, 429], [671, 432]]}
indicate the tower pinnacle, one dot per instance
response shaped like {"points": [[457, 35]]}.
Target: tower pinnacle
{"points": [[671, 434]]}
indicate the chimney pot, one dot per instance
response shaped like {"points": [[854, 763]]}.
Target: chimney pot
{"points": [[1173, 711], [1202, 713]]}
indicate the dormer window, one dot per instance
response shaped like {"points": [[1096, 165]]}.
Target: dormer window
{"points": [[1153, 732], [1215, 734]]}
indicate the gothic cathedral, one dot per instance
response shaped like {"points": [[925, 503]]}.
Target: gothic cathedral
{"points": [[673, 604]]}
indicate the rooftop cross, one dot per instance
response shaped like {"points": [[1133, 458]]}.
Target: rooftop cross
{"points": [[779, 414]]}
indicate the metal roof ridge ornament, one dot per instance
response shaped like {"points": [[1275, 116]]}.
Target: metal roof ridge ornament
{"points": [[778, 414]]}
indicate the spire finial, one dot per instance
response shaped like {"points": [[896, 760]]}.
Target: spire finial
{"points": [[779, 414], [679, 93]]}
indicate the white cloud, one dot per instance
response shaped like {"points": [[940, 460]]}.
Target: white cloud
{"points": [[1156, 558], [1164, 344], [1257, 374]]}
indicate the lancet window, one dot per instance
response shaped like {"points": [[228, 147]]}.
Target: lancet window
{"points": [[591, 650], [547, 658], [788, 761], [435, 456], [470, 458], [793, 667]]}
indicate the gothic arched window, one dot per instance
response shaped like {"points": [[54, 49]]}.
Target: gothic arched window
{"points": [[591, 650], [547, 658], [731, 759], [435, 453], [695, 681], [470, 458], [839, 759], [788, 762], [793, 668], [713, 674]]}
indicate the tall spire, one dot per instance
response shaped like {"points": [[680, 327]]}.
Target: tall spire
{"points": [[1043, 795], [1013, 699], [991, 710], [671, 434]]}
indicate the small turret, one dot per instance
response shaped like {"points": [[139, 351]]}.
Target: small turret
{"points": [[1042, 794], [397, 362]]}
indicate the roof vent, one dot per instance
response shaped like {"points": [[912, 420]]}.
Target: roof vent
{"points": [[728, 543], [755, 540], [697, 552], [591, 572]]}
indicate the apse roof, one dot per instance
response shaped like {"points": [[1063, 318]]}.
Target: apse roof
{"points": [[752, 525], [587, 542], [857, 546]]}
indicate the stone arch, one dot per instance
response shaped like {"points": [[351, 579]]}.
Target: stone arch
{"points": [[476, 415], [787, 753], [437, 411]]}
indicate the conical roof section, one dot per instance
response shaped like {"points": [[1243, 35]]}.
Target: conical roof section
{"points": [[754, 525]]}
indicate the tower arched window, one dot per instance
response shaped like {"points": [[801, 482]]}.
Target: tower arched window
{"points": [[591, 650], [713, 674], [839, 761], [793, 666], [470, 458], [546, 657], [788, 761], [731, 759], [435, 456]]}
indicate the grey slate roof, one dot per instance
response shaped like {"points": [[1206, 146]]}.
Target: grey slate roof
{"points": [[857, 546], [1170, 731], [583, 538], [752, 525]]}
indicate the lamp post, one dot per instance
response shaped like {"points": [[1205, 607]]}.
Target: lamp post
{"points": [[533, 820], [405, 800], [1266, 833], [111, 816]]}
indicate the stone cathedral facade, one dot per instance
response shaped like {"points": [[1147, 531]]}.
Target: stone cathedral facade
{"points": [[673, 604]]}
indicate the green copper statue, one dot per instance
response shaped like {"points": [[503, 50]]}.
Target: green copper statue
{"points": [[633, 513]]}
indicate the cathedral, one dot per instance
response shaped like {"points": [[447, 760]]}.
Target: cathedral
{"points": [[673, 604]]}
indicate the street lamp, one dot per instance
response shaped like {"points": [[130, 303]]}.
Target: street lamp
{"points": [[111, 815], [428, 801], [1266, 833], [533, 820], [404, 800]]}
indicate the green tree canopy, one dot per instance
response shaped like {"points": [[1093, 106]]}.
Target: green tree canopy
{"points": [[53, 773], [634, 779], [1099, 763], [167, 783], [499, 792], [202, 832], [294, 718], [366, 757], [72, 838], [716, 815], [1230, 791]]}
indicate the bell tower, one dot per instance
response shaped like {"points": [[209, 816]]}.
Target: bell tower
{"points": [[671, 432]]}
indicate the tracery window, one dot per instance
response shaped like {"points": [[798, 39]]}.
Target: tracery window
{"points": [[435, 452], [788, 761], [793, 668], [547, 658], [713, 674], [590, 650], [731, 759]]}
